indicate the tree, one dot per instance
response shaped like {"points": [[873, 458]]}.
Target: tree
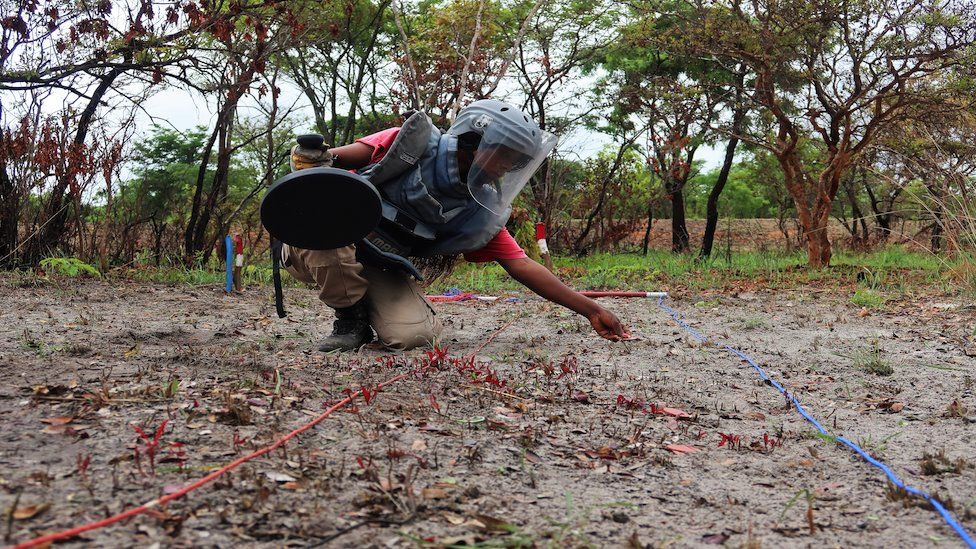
{"points": [[455, 49], [680, 95], [844, 71], [562, 43], [102, 54], [340, 60]]}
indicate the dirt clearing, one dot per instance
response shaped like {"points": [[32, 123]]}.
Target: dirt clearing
{"points": [[548, 436]]}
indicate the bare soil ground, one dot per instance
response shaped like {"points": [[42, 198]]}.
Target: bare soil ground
{"points": [[547, 437]]}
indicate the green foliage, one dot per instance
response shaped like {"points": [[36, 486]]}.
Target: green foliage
{"points": [[872, 360], [621, 198], [742, 197], [69, 266], [661, 270], [870, 299]]}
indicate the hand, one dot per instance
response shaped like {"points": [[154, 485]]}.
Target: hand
{"points": [[304, 157], [608, 325]]}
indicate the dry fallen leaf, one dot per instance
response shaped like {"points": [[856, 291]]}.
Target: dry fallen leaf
{"points": [[63, 429], [494, 524], [681, 448], [59, 420], [454, 519], [675, 412], [715, 539], [433, 493], [30, 511], [419, 445], [279, 477], [580, 396], [863, 312]]}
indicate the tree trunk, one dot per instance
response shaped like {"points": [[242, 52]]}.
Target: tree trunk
{"points": [[611, 173], [680, 242], [711, 212], [938, 227], [650, 222], [194, 235], [218, 193], [9, 215]]}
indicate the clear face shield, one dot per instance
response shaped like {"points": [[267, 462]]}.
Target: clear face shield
{"points": [[499, 171]]}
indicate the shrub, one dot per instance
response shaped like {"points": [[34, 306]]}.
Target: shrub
{"points": [[69, 266]]}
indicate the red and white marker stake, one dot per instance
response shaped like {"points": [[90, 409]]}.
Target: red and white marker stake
{"points": [[540, 237]]}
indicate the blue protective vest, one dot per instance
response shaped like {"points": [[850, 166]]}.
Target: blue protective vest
{"points": [[431, 191]]}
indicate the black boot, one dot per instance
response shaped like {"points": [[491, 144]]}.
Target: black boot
{"points": [[350, 330]]}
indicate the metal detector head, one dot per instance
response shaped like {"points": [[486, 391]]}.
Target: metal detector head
{"points": [[321, 208]]}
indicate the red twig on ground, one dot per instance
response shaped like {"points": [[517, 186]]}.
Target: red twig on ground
{"points": [[66, 534], [146, 507]]}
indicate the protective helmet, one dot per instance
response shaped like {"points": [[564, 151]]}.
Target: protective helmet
{"points": [[498, 123], [512, 147]]}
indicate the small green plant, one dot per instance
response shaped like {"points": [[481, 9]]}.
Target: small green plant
{"points": [[877, 447], [871, 299], [754, 323], [872, 360], [69, 266], [871, 280], [171, 388], [810, 497]]}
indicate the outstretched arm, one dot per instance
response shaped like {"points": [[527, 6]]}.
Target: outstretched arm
{"points": [[351, 157], [538, 279]]}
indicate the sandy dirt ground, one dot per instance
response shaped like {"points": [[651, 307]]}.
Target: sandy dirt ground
{"points": [[544, 436]]}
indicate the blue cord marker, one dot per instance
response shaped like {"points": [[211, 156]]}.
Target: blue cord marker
{"points": [[229, 245], [892, 477]]}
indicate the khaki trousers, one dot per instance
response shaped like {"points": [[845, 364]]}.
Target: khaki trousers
{"points": [[398, 312]]}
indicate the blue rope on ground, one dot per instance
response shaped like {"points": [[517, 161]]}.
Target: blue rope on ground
{"points": [[946, 515]]}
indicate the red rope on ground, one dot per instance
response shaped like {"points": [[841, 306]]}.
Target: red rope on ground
{"points": [[66, 534], [50, 538]]}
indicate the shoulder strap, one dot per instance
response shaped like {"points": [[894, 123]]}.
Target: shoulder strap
{"points": [[407, 148]]}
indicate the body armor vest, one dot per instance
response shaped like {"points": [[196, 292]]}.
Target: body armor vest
{"points": [[429, 210]]}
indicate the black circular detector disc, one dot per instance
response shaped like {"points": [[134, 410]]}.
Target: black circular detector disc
{"points": [[321, 208]]}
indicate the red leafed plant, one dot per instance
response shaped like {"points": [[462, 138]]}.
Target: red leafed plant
{"points": [[734, 441], [150, 445]]}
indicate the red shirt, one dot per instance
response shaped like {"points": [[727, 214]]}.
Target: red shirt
{"points": [[502, 246]]}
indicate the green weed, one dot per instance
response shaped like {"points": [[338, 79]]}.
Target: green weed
{"points": [[69, 266], [872, 360], [754, 323], [881, 272], [870, 299]]}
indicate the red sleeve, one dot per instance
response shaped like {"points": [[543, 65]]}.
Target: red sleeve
{"points": [[380, 141], [503, 246]]}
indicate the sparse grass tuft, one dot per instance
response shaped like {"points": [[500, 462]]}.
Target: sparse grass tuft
{"points": [[870, 299], [872, 360]]}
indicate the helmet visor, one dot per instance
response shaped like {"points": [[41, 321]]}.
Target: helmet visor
{"points": [[499, 172]]}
